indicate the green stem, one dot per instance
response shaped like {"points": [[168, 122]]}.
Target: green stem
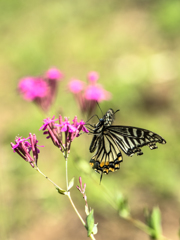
{"points": [[69, 195], [56, 186], [138, 224], [143, 227], [108, 194], [66, 160], [75, 209], [66, 193], [71, 201]]}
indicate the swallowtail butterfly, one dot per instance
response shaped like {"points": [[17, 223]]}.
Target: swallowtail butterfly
{"points": [[109, 140]]}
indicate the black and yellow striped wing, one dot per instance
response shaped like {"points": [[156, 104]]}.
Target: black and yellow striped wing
{"points": [[132, 139], [107, 155], [108, 141]]}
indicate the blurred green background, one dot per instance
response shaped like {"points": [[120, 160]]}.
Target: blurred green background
{"points": [[135, 47]]}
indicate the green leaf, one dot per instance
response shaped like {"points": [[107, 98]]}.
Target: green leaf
{"points": [[71, 184], [90, 226], [123, 206], [153, 220], [156, 222], [61, 191]]}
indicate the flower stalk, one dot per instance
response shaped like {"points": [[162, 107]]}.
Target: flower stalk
{"points": [[62, 134]]}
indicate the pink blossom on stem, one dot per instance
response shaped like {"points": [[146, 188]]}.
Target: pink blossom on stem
{"points": [[54, 74], [32, 88], [93, 77], [67, 127], [87, 96], [56, 131], [81, 126], [96, 93], [76, 86], [23, 148], [47, 121], [51, 131], [41, 90]]}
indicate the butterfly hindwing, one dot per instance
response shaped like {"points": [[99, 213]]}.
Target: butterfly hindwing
{"points": [[108, 155]]}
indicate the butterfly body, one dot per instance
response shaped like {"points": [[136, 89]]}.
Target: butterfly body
{"points": [[108, 141]]}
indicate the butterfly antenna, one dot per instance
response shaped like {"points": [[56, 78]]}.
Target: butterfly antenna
{"points": [[95, 114], [99, 107], [92, 117], [117, 111]]}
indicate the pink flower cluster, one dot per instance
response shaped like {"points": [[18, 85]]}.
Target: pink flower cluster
{"points": [[23, 148], [55, 130], [41, 90], [88, 95]]}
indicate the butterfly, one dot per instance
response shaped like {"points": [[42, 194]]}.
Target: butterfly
{"points": [[108, 141]]}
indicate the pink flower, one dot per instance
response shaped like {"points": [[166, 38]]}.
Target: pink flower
{"points": [[32, 87], [54, 74], [41, 90], [55, 130], [18, 141], [81, 126], [97, 93], [76, 86], [67, 127], [47, 121], [23, 148], [93, 77], [88, 96]]}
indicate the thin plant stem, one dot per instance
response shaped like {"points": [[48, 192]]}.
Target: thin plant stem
{"points": [[75, 209], [138, 224], [69, 196], [66, 160], [67, 174], [142, 226], [37, 169], [108, 194]]}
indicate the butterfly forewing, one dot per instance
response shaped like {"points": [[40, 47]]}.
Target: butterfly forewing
{"points": [[108, 141], [131, 139], [94, 143]]}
